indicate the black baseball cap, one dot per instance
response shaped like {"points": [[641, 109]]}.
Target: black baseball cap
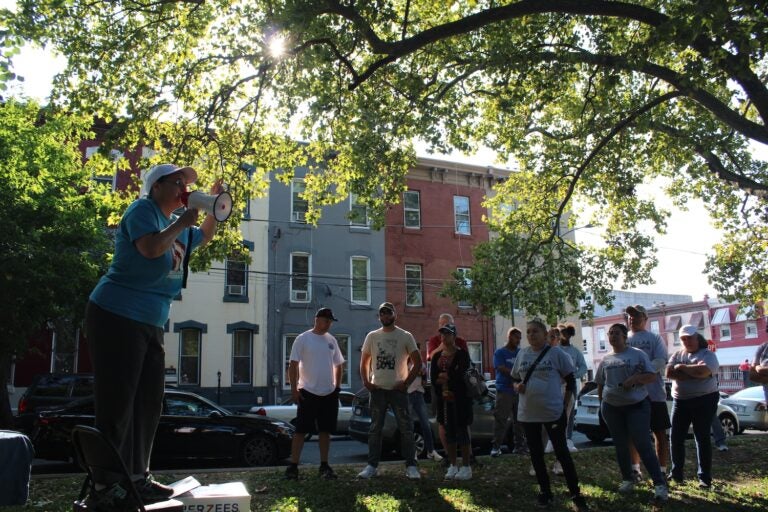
{"points": [[326, 313]]}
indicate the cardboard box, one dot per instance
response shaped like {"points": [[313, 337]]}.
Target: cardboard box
{"points": [[229, 497]]}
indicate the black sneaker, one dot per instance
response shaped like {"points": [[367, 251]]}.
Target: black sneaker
{"points": [[327, 473], [580, 503], [543, 500], [152, 491], [112, 499], [292, 472]]}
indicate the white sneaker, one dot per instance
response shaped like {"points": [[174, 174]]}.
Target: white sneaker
{"points": [[627, 486], [557, 468], [412, 472], [465, 473], [495, 452], [637, 476], [722, 447], [452, 472], [661, 493], [549, 448], [571, 446], [434, 456], [532, 471], [368, 472]]}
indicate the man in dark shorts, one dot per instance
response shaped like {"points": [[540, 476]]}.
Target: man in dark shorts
{"points": [[652, 344], [315, 374]]}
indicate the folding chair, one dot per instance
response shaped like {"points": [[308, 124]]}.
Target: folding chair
{"points": [[94, 451]]}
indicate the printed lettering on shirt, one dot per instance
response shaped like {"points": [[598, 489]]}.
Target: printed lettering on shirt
{"points": [[385, 357]]}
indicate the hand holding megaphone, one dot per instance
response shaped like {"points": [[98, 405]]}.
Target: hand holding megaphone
{"points": [[219, 205]]}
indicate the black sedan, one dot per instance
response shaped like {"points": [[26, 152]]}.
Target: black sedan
{"points": [[191, 428]]}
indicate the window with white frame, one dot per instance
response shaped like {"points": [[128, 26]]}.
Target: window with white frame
{"points": [[414, 293], [236, 282], [654, 326], [461, 215], [412, 209], [725, 332], [360, 268], [467, 282], [475, 349], [288, 340], [750, 330], [299, 205], [300, 285], [344, 342], [358, 212], [108, 178], [189, 357], [601, 339], [675, 337], [242, 356]]}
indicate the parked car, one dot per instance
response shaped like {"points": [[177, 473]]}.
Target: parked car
{"points": [[286, 411], [750, 406], [191, 427], [50, 391], [589, 419], [482, 425]]}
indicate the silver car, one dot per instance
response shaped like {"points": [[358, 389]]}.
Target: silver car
{"points": [[286, 411], [589, 420], [750, 406]]}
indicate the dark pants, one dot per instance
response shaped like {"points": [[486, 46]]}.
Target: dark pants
{"points": [[698, 411], [556, 432], [128, 363]]}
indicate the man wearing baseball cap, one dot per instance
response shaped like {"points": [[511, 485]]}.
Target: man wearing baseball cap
{"points": [[315, 374], [124, 322], [385, 372], [656, 350]]}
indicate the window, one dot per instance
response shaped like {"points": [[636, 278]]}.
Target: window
{"points": [[344, 345], [414, 295], [236, 278], [750, 329], [461, 215], [725, 332], [601, 339], [361, 284], [288, 340], [584, 346], [654, 324], [358, 212], [299, 205], [242, 349], [412, 209], [475, 349], [464, 272], [189, 356], [722, 316], [104, 179], [300, 285], [675, 337]]}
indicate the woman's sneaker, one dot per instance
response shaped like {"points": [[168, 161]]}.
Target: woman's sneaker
{"points": [[626, 486], [434, 456], [452, 472], [465, 473], [557, 468], [661, 493]]}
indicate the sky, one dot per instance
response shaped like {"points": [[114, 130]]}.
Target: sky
{"points": [[681, 252]]}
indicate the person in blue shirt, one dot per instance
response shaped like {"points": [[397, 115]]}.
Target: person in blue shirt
{"points": [[124, 323], [506, 396]]}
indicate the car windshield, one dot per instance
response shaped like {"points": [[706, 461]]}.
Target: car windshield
{"points": [[754, 393]]}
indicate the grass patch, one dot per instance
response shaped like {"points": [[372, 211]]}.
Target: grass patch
{"points": [[741, 483]]}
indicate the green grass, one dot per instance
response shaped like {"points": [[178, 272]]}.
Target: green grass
{"points": [[741, 483]]}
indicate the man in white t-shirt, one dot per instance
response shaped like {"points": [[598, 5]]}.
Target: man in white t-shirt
{"points": [[315, 375], [385, 372]]}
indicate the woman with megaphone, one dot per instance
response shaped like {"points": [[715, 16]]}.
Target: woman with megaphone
{"points": [[125, 319]]}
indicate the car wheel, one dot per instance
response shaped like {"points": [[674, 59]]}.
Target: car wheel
{"points": [[597, 437], [729, 424], [259, 451], [419, 444]]}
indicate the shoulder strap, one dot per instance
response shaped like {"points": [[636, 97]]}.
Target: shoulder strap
{"points": [[533, 366]]}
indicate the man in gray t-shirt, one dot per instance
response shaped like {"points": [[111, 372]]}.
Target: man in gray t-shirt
{"points": [[656, 350]]}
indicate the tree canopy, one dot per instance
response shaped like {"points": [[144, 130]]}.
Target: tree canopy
{"points": [[587, 99]]}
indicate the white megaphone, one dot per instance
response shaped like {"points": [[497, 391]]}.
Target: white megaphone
{"points": [[220, 206]]}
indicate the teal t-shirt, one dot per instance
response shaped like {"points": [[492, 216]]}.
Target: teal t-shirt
{"points": [[140, 288]]}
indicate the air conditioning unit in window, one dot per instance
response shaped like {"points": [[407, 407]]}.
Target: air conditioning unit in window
{"points": [[235, 289], [300, 296]]}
